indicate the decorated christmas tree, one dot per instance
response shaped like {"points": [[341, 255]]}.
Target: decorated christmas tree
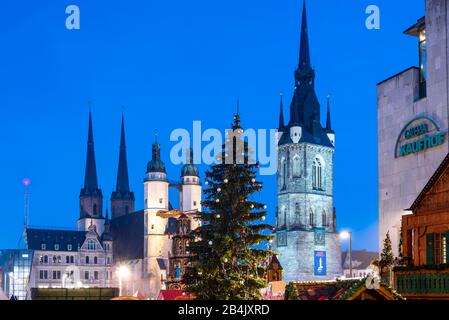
{"points": [[228, 260]]}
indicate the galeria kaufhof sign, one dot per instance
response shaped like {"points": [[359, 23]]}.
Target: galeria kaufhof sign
{"points": [[419, 135]]}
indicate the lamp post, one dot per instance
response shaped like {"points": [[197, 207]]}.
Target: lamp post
{"points": [[122, 272], [348, 235]]}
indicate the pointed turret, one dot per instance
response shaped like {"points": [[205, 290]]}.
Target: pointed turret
{"points": [[281, 116], [328, 118], [91, 197], [329, 131], [122, 199]]}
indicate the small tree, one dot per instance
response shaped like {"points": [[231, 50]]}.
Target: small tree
{"points": [[386, 257]]}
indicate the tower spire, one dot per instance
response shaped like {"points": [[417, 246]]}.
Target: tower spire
{"points": [[122, 175], [122, 199], [304, 73], [90, 177]]}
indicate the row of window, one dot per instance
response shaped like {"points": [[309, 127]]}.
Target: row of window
{"points": [[317, 172], [91, 245], [56, 259], [325, 222], [70, 260], [56, 275]]}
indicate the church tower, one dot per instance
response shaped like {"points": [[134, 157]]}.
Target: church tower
{"points": [[306, 237], [157, 243], [122, 199], [91, 197], [190, 195]]}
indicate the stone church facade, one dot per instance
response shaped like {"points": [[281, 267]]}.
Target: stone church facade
{"points": [[306, 237]]}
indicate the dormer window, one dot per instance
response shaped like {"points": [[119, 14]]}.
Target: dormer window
{"points": [[91, 245], [56, 247], [43, 246], [69, 247]]}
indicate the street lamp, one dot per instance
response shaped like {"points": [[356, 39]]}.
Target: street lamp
{"points": [[123, 273], [348, 235]]}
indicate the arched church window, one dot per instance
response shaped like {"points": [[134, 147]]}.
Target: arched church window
{"points": [[296, 166], [283, 173], [317, 174], [324, 217], [311, 218]]}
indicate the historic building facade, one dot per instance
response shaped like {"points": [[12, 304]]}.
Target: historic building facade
{"points": [[413, 122], [81, 258], [306, 237]]}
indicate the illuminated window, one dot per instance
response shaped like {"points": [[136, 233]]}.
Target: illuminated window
{"points": [[422, 63]]}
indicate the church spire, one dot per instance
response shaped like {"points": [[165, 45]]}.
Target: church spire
{"points": [[304, 73], [122, 175], [281, 116], [91, 197], [90, 177], [122, 199]]}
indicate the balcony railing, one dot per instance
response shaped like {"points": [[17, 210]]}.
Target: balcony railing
{"points": [[422, 283]]}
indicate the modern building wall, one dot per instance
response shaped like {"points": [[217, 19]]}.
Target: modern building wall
{"points": [[400, 101]]}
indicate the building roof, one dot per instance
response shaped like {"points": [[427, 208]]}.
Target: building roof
{"points": [[417, 27], [438, 173], [156, 164], [340, 290], [128, 236], [170, 294], [36, 237], [361, 259], [305, 107]]}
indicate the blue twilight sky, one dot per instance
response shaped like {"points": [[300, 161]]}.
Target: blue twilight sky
{"points": [[171, 62]]}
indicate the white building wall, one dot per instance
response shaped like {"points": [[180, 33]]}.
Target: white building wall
{"points": [[402, 179]]}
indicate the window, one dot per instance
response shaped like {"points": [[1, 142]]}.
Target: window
{"points": [[59, 259], [194, 203], [86, 275], [283, 174], [72, 259], [56, 247], [87, 260], [422, 63], [45, 259], [95, 209], [91, 245], [317, 175], [311, 218], [43, 275], [161, 200], [108, 260], [95, 260], [67, 259], [325, 223], [43, 246], [96, 275], [55, 259], [440, 248], [56, 275], [296, 167], [69, 247]]}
